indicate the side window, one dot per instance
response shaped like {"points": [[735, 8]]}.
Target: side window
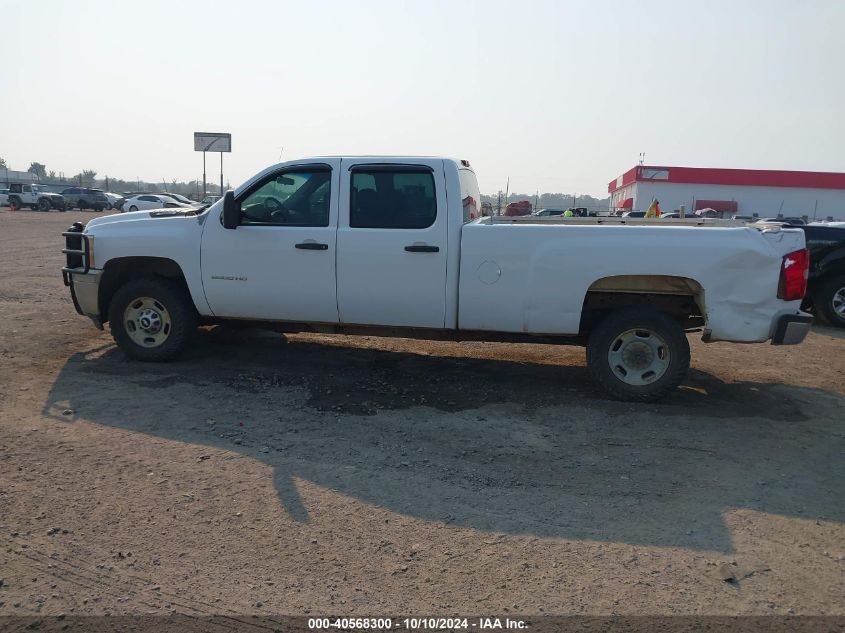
{"points": [[292, 198], [382, 198], [148, 199], [27, 189]]}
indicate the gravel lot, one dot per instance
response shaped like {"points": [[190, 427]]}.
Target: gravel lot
{"points": [[321, 474]]}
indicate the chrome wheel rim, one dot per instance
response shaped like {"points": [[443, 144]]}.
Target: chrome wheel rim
{"points": [[147, 322], [838, 303], [638, 357]]}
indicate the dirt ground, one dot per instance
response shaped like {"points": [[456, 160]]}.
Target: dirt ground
{"points": [[361, 476]]}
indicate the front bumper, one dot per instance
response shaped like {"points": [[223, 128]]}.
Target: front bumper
{"points": [[791, 329], [85, 292]]}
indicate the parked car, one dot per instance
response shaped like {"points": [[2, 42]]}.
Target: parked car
{"points": [[149, 201], [115, 200], [517, 209], [183, 199], [826, 277], [4, 197], [383, 245], [671, 215], [85, 198], [35, 197], [781, 220], [634, 214], [545, 213]]}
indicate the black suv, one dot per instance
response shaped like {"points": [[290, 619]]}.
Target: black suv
{"points": [[826, 282], [85, 198]]}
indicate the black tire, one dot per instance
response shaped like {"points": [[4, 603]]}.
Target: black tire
{"points": [[43, 204], [649, 327], [15, 204], [81, 204], [133, 209], [823, 301], [178, 306]]}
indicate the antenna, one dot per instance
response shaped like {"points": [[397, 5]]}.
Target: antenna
{"points": [[642, 157]]}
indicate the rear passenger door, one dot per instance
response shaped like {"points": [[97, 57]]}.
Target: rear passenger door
{"points": [[391, 243]]}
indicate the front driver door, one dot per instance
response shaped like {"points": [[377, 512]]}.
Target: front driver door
{"points": [[279, 264]]}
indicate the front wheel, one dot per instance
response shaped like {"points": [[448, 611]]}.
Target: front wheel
{"points": [[829, 302], [152, 319], [43, 204], [133, 208], [638, 354]]}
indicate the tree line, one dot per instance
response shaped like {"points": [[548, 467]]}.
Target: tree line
{"points": [[88, 178], [550, 200]]}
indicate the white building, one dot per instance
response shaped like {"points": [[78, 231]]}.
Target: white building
{"points": [[747, 192]]}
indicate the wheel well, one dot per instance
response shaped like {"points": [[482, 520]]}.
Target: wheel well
{"points": [[122, 269], [680, 297]]}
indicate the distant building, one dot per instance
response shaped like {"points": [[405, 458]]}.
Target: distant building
{"points": [[766, 193], [8, 176]]}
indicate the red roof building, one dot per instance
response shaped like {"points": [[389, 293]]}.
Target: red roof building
{"points": [[746, 192]]}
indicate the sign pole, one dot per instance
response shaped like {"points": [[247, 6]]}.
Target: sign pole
{"points": [[203, 173], [221, 173]]}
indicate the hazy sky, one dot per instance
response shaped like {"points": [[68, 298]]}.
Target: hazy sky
{"points": [[559, 95]]}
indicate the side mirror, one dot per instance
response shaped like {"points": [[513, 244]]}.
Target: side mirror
{"points": [[231, 213]]}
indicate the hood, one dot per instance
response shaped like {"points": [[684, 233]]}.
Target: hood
{"points": [[139, 216]]}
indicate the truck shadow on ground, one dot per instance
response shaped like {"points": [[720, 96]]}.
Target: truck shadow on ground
{"points": [[496, 445]]}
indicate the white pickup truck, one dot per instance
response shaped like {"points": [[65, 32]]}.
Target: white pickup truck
{"points": [[393, 246]]}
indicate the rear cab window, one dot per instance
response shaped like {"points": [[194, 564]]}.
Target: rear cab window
{"points": [[470, 194]]}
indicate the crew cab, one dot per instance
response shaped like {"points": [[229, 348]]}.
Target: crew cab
{"points": [[35, 197], [388, 246]]}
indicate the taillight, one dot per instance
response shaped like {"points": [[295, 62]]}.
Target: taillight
{"points": [[793, 275]]}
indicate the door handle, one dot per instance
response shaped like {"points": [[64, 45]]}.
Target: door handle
{"points": [[422, 248], [312, 246]]}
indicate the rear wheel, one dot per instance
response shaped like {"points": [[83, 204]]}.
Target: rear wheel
{"points": [[638, 354], [81, 204], [829, 302], [152, 319]]}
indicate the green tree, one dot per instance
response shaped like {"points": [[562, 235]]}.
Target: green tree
{"points": [[87, 178], [39, 169], [2, 163]]}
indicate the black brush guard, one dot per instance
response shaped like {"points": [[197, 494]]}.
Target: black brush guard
{"points": [[77, 250]]}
